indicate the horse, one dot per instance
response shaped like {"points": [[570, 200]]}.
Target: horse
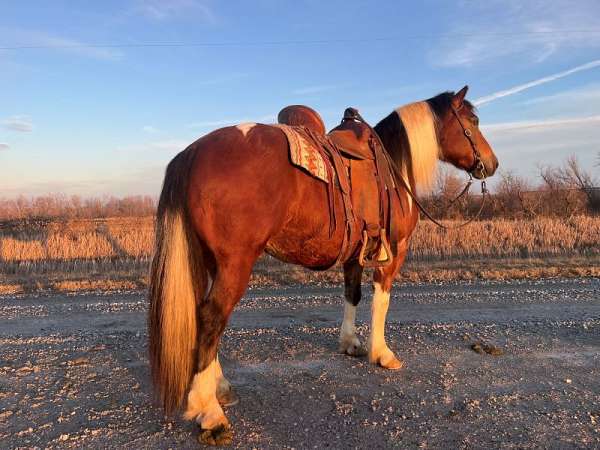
{"points": [[232, 195]]}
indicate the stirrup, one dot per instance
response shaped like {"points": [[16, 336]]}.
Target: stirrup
{"points": [[384, 245]]}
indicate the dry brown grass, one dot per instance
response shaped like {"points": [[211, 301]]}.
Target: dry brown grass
{"points": [[78, 240], [93, 285], [509, 238], [114, 253], [133, 239], [11, 289], [136, 244], [12, 249]]}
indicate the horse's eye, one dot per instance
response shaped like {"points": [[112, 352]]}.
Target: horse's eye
{"points": [[475, 120]]}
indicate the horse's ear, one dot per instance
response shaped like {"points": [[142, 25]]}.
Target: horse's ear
{"points": [[459, 97]]}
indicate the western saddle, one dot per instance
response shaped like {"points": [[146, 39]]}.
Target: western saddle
{"points": [[363, 174]]}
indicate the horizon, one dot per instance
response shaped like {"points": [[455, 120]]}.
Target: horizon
{"points": [[98, 98]]}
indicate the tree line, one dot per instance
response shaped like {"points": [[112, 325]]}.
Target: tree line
{"points": [[60, 206], [560, 191]]}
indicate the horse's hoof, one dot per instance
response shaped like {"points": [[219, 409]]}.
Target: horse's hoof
{"points": [[352, 347], [221, 435], [228, 398], [354, 350], [391, 363]]}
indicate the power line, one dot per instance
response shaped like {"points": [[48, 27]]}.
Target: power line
{"points": [[294, 42]]}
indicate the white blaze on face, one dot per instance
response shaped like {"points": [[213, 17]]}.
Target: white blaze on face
{"points": [[245, 127]]}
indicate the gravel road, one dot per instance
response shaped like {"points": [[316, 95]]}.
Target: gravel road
{"points": [[74, 370]]}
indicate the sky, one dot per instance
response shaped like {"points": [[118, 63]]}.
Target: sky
{"points": [[97, 97]]}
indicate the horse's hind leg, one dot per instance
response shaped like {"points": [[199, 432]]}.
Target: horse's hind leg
{"points": [[349, 342], [230, 282], [225, 393]]}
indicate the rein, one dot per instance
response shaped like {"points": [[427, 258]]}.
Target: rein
{"points": [[477, 165]]}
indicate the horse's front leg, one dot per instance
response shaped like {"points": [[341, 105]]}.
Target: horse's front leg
{"points": [[379, 352], [349, 342]]}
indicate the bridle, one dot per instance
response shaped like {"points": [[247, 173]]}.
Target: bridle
{"points": [[478, 165], [477, 162]]}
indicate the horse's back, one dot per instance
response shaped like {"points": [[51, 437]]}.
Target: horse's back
{"points": [[244, 152]]}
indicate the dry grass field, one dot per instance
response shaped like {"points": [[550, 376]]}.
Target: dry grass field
{"points": [[114, 253]]}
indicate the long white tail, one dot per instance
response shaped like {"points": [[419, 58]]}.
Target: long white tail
{"points": [[177, 277]]}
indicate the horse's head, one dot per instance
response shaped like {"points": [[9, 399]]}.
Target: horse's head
{"points": [[461, 142]]}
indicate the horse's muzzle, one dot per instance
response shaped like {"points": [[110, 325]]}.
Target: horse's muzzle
{"points": [[490, 165]]}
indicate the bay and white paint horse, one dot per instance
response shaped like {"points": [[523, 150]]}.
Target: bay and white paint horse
{"points": [[233, 194]]}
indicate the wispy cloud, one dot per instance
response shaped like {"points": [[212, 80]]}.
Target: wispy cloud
{"points": [[522, 87], [18, 37], [80, 48], [522, 146], [522, 31], [150, 129], [214, 123], [226, 79], [21, 124], [317, 89], [167, 145], [4, 146], [166, 9], [549, 123], [581, 96], [230, 121]]}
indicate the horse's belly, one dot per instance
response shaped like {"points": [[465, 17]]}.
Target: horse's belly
{"points": [[314, 253]]}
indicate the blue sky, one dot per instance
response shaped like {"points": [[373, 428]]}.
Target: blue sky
{"points": [[80, 118]]}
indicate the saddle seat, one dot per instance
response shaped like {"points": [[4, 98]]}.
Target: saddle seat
{"points": [[302, 116], [352, 137]]}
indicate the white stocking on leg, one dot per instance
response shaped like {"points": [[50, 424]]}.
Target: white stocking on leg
{"points": [[202, 402], [379, 352], [349, 342], [225, 393]]}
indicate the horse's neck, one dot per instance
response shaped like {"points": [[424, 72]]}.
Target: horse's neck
{"points": [[396, 145]]}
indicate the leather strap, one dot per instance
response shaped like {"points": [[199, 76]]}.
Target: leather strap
{"points": [[333, 155], [478, 164]]}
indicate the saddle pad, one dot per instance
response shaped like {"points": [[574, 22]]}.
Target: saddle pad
{"points": [[304, 153]]}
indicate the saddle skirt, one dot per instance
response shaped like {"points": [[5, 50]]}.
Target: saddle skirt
{"points": [[304, 152]]}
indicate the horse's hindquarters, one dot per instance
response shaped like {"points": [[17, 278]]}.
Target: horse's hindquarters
{"points": [[245, 195]]}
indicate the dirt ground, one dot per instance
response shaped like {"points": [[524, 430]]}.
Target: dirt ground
{"points": [[74, 370]]}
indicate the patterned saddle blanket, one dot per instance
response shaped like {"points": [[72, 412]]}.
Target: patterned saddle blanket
{"points": [[305, 154]]}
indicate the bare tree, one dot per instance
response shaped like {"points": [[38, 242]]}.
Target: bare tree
{"points": [[570, 188], [515, 196], [64, 207], [578, 178], [448, 187]]}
